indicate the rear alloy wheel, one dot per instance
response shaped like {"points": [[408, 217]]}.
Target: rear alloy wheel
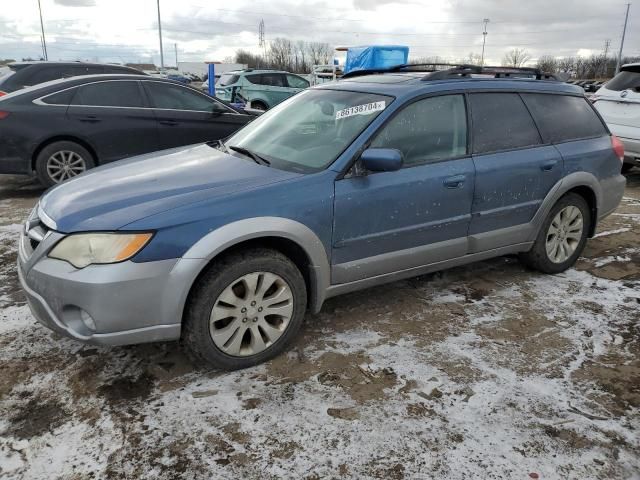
{"points": [[61, 161], [562, 236], [246, 308]]}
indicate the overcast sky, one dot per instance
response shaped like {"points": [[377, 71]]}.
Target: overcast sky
{"points": [[126, 30]]}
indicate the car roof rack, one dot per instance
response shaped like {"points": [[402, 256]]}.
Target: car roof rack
{"points": [[448, 71]]}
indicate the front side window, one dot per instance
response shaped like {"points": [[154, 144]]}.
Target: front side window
{"points": [[307, 132], [428, 130], [297, 82], [563, 118], [109, 94], [501, 121], [174, 97]]}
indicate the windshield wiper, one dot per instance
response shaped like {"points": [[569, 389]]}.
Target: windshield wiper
{"points": [[252, 155]]}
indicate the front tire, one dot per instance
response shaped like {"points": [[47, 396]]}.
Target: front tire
{"points": [[562, 236], [245, 309], [60, 161]]}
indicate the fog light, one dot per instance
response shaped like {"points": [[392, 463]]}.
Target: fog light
{"points": [[87, 320]]}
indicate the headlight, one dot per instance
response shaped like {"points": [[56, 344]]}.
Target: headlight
{"points": [[84, 249]]}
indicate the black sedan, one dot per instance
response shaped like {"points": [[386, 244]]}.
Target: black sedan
{"points": [[64, 127]]}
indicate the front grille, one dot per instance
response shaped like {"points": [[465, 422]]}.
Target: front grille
{"points": [[35, 232]]}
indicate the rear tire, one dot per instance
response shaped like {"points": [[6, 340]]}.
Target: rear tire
{"points": [[562, 236], [60, 161], [245, 309]]}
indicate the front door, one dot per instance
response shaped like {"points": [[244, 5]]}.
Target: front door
{"points": [[185, 117], [392, 221]]}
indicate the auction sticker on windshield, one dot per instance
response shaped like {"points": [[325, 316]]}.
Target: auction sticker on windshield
{"points": [[365, 109]]}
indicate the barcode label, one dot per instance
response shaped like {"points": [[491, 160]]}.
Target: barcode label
{"points": [[365, 109]]}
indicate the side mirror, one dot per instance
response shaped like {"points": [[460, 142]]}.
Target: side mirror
{"points": [[382, 159]]}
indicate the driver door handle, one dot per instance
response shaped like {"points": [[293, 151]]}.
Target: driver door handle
{"points": [[457, 181]]}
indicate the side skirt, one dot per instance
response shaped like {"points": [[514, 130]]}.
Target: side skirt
{"points": [[342, 288]]}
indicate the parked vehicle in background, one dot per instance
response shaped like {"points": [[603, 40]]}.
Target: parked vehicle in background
{"points": [[27, 74], [261, 89], [618, 101], [345, 186], [177, 77], [64, 127]]}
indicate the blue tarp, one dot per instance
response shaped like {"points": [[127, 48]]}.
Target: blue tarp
{"points": [[375, 57]]}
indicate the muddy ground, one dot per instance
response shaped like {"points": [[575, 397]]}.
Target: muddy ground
{"points": [[484, 371]]}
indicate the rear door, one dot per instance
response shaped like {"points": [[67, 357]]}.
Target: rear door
{"points": [[514, 168], [185, 116], [114, 118], [391, 221]]}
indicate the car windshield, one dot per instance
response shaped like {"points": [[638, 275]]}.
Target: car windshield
{"points": [[227, 79], [307, 132]]}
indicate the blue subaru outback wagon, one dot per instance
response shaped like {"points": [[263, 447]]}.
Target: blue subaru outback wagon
{"points": [[375, 178]]}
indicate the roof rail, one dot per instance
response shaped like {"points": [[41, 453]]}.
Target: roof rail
{"points": [[466, 71], [444, 71]]}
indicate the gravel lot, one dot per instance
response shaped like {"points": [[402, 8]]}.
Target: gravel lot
{"points": [[484, 371]]}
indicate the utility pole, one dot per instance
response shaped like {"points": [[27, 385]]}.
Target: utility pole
{"points": [[175, 47], [624, 31], [484, 39], [160, 36], [607, 43], [44, 42], [261, 42]]}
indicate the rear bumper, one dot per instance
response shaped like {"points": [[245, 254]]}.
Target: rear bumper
{"points": [[630, 137], [612, 193]]}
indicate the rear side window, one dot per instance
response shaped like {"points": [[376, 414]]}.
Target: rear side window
{"points": [[255, 79], [428, 130], [627, 79], [501, 122], [109, 94], [562, 118], [270, 79], [60, 98]]}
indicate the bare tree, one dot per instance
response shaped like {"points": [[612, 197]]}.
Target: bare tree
{"points": [[473, 59], [516, 58], [547, 64]]}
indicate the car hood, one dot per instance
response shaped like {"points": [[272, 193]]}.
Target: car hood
{"points": [[112, 196]]}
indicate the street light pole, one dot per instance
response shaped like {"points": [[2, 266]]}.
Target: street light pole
{"points": [[160, 36], [44, 42], [484, 39], [624, 31]]}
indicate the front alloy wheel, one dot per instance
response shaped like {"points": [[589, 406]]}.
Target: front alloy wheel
{"points": [[251, 314], [246, 308]]}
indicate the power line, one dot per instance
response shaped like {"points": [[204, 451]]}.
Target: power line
{"points": [[44, 41]]}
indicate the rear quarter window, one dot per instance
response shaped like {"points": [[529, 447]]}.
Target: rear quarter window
{"points": [[562, 118], [60, 98], [501, 121]]}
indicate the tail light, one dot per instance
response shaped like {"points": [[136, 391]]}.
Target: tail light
{"points": [[3, 114], [618, 147], [2, 93]]}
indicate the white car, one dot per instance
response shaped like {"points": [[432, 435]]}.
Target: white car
{"points": [[618, 101]]}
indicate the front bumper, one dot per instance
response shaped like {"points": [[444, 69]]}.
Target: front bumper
{"points": [[117, 304]]}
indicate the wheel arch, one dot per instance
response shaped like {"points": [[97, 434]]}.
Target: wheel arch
{"points": [[63, 138], [293, 239], [584, 184]]}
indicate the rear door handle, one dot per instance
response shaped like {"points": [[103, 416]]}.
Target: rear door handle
{"points": [[456, 181], [548, 165], [171, 123], [90, 119]]}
